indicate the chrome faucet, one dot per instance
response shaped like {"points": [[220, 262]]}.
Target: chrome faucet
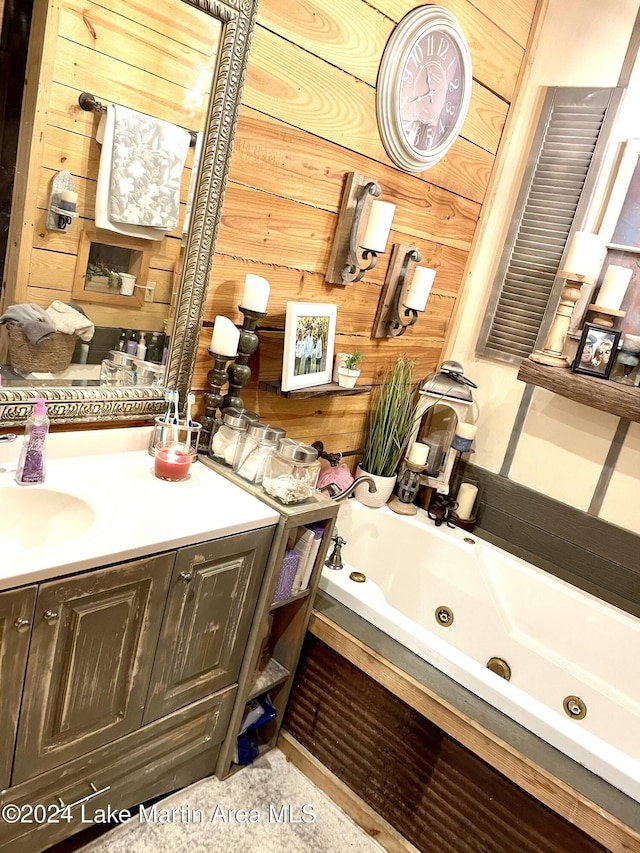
{"points": [[338, 496]]}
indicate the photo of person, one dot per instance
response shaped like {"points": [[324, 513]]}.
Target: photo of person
{"points": [[309, 339], [596, 351], [311, 345]]}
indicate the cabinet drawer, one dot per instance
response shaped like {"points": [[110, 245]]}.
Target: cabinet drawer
{"points": [[210, 606], [161, 757], [91, 654]]}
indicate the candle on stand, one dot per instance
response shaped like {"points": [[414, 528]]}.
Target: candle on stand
{"points": [[418, 453], [378, 225], [466, 498], [173, 461], [225, 337], [614, 286], [466, 430], [584, 258], [256, 293], [420, 288]]}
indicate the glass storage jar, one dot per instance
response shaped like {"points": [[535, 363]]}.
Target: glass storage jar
{"points": [[291, 473], [224, 440], [253, 450]]}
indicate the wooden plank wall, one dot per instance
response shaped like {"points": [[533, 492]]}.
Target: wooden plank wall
{"points": [[308, 118], [123, 52]]}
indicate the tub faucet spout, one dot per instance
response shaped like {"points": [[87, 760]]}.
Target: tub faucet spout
{"points": [[338, 496]]}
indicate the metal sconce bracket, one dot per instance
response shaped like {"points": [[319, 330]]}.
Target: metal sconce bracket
{"points": [[344, 266], [387, 323]]}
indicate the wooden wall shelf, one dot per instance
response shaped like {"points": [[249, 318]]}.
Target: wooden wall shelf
{"points": [[330, 389], [602, 394]]}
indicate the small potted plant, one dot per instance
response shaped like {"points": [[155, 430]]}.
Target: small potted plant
{"points": [[101, 277], [349, 371]]}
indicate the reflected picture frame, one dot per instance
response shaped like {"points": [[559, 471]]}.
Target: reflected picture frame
{"points": [[597, 351], [309, 340]]}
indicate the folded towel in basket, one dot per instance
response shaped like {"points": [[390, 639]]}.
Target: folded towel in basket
{"points": [[141, 166], [32, 319], [69, 321]]}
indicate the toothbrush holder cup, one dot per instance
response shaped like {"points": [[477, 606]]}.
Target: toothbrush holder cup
{"points": [[178, 434]]}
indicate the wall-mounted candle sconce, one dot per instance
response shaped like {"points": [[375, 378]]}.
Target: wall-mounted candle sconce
{"points": [[406, 285], [363, 228]]}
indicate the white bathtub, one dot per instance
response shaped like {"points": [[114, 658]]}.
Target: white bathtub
{"points": [[558, 641]]}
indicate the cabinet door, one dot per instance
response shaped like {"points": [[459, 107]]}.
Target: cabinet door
{"points": [[16, 615], [91, 654], [211, 601]]}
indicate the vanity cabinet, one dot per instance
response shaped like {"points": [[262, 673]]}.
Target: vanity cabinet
{"points": [[120, 681], [16, 616]]}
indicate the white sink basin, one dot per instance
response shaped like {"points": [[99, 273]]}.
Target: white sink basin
{"points": [[32, 518]]}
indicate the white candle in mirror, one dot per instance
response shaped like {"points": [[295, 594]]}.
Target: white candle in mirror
{"points": [[585, 256], [225, 337], [418, 453], [466, 430], [256, 293], [378, 225], [614, 286], [420, 288], [466, 499]]}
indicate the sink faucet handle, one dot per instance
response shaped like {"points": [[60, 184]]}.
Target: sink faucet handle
{"points": [[8, 436], [338, 540]]}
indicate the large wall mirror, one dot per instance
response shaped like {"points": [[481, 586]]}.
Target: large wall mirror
{"points": [[180, 62]]}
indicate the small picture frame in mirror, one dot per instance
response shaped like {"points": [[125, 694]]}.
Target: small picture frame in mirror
{"points": [[596, 353]]}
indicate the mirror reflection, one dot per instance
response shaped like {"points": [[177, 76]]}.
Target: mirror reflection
{"points": [[103, 192]]}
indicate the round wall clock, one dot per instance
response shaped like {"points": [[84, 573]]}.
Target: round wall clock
{"points": [[424, 87]]}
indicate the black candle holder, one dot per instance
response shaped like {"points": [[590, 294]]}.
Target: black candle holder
{"points": [[239, 372], [213, 399]]}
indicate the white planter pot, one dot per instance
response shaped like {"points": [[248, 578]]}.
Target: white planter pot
{"points": [[347, 378], [128, 283], [381, 496]]}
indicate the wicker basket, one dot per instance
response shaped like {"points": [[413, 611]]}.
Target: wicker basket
{"points": [[51, 355]]}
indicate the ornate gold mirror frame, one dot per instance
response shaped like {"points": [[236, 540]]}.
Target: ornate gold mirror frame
{"points": [[95, 404]]}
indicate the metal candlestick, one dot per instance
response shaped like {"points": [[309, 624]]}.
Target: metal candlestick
{"points": [[213, 400], [239, 371]]}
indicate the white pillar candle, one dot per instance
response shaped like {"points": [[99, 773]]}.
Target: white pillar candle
{"points": [[225, 337], [256, 293], [614, 286], [69, 195], [466, 499], [378, 225], [418, 453], [420, 288], [466, 430], [585, 256]]}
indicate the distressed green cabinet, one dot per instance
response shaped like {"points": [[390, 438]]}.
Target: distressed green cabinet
{"points": [[117, 684], [16, 614]]}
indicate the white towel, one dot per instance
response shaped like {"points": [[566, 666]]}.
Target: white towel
{"points": [[141, 165], [69, 321]]}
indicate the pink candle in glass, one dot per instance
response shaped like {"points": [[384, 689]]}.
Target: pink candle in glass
{"points": [[172, 462]]}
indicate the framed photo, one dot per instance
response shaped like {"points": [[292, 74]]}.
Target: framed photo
{"points": [[309, 337], [621, 221], [596, 352]]}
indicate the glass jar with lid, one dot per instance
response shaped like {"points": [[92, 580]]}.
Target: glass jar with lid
{"points": [[291, 473], [224, 440], [253, 450]]}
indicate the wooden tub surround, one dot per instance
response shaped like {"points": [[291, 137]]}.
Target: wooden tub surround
{"points": [[442, 767]]}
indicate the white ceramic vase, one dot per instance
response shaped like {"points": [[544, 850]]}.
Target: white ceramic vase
{"points": [[381, 496], [347, 378]]}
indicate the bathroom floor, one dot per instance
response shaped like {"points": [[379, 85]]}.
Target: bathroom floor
{"points": [[207, 816]]}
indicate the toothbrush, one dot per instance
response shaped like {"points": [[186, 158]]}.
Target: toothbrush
{"points": [[167, 412], [175, 395], [191, 399]]}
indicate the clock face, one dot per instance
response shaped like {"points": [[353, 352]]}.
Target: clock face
{"points": [[424, 87], [431, 90]]}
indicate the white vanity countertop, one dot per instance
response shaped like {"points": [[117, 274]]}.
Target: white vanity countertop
{"points": [[96, 509]]}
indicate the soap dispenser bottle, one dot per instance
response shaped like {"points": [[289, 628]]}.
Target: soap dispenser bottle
{"points": [[31, 464]]}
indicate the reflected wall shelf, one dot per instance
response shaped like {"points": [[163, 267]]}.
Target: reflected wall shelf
{"points": [[330, 389], [602, 394]]}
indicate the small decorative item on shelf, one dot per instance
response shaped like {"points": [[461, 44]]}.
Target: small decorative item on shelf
{"points": [[309, 336], [62, 202], [628, 359], [287, 574], [596, 351], [349, 371]]}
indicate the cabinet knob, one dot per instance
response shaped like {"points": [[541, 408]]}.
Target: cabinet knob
{"points": [[187, 577], [21, 624], [50, 616]]}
